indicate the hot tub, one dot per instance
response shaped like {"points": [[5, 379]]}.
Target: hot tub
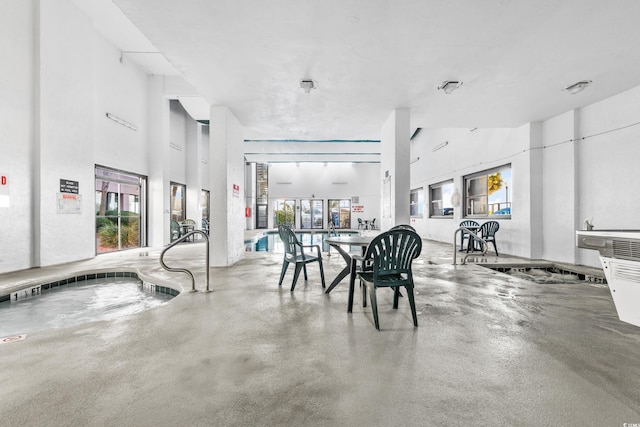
{"points": [[620, 259]]}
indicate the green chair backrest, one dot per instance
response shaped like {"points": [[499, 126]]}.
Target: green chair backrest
{"points": [[391, 253]]}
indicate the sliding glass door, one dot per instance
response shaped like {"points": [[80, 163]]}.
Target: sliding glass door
{"points": [[120, 206], [311, 213], [340, 213], [284, 212]]}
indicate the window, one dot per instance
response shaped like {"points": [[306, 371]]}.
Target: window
{"points": [[440, 199], [120, 205], [205, 203], [262, 183], [487, 192], [178, 202], [416, 202]]}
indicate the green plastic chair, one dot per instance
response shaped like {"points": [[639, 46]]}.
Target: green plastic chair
{"points": [[463, 235], [294, 254], [488, 233], [390, 256], [176, 230]]}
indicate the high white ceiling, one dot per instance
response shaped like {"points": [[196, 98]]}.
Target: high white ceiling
{"points": [[369, 57]]}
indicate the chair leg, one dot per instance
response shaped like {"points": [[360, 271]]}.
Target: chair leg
{"points": [[495, 247], [374, 307], [304, 267], [396, 295], [364, 293], [352, 285], [321, 272], [412, 303], [295, 275], [285, 265]]}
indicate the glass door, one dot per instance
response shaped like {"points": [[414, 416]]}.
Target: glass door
{"points": [[261, 216], [340, 213], [311, 213], [284, 212], [119, 208]]}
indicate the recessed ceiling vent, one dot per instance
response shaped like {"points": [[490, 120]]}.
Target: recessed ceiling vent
{"points": [[308, 84], [577, 87], [448, 86]]}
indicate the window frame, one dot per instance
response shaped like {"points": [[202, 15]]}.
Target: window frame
{"points": [[486, 202], [119, 180], [417, 202], [439, 186]]}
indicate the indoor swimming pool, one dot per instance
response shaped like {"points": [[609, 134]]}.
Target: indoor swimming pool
{"points": [[270, 241], [71, 302]]}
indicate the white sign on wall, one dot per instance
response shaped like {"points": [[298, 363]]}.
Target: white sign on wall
{"points": [[4, 190], [69, 203]]}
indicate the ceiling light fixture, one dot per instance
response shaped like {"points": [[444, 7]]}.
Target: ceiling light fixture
{"points": [[308, 84], [577, 87], [449, 86]]}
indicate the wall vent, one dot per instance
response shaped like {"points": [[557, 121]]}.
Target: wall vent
{"points": [[626, 249]]}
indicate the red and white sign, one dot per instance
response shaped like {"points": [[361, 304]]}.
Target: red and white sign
{"points": [[357, 208], [69, 203], [4, 190], [236, 190]]}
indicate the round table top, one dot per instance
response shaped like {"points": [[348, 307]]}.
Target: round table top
{"points": [[349, 240]]}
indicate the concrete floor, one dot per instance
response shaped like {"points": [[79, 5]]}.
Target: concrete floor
{"points": [[491, 349]]}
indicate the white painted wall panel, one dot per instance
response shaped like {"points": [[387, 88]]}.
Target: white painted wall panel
{"points": [[17, 115], [66, 131]]}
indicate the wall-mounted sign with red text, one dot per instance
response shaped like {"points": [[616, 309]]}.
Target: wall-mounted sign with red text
{"points": [[4, 190], [236, 190]]}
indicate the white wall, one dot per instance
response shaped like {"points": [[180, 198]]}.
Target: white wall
{"points": [[121, 89], [559, 187], [226, 170], [466, 153], [66, 132], [17, 116], [326, 181], [64, 78], [178, 142], [608, 153], [577, 165]]}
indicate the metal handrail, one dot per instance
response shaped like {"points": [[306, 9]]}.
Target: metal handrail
{"points": [[455, 244], [184, 270]]}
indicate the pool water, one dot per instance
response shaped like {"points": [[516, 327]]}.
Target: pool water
{"points": [[80, 302], [271, 242]]}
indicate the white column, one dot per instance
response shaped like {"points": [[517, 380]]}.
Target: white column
{"points": [[159, 165], [394, 169], [194, 183], [250, 195], [226, 175]]}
